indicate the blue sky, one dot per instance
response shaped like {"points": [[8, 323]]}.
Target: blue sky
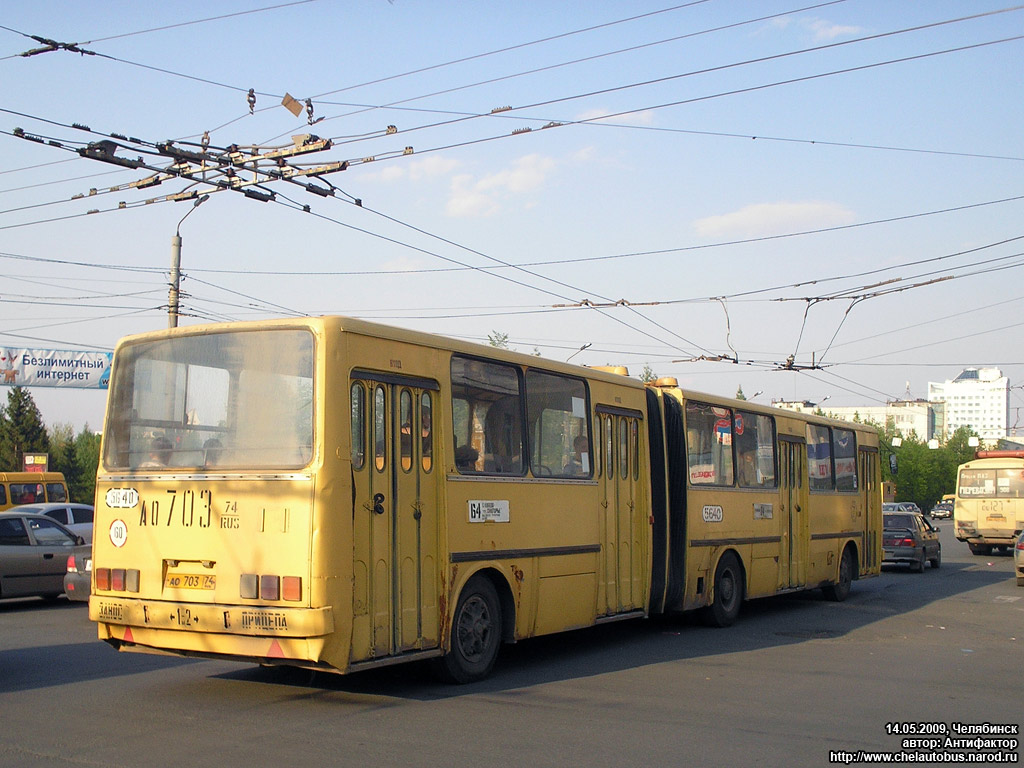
{"points": [[748, 179]]}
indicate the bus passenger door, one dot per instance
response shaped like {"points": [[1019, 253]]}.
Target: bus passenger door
{"points": [[793, 563], [620, 548], [870, 498], [395, 525]]}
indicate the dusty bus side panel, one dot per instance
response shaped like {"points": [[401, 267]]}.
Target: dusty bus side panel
{"points": [[333, 516]]}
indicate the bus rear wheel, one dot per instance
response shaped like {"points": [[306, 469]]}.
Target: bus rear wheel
{"points": [[728, 595], [475, 633], [841, 589]]}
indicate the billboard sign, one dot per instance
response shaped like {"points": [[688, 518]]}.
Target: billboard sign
{"points": [[54, 368]]}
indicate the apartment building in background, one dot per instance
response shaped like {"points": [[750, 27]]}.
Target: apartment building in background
{"points": [[927, 420], [978, 398]]}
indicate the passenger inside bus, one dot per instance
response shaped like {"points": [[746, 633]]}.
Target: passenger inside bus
{"points": [[579, 463], [465, 458], [212, 449], [159, 453], [503, 435]]}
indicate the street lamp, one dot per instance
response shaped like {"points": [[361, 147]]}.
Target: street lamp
{"points": [[173, 293]]}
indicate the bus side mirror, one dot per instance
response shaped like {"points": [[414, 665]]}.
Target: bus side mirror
{"points": [[892, 463]]}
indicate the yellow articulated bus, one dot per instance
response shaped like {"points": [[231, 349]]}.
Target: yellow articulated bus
{"points": [[989, 507], [334, 494]]}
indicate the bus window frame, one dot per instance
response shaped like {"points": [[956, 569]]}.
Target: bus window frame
{"points": [[831, 487], [358, 424], [488, 455], [741, 416], [535, 422], [729, 416], [853, 457]]}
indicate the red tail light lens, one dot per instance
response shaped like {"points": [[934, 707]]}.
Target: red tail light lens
{"points": [[72, 568], [291, 588], [270, 587], [117, 579], [102, 578]]}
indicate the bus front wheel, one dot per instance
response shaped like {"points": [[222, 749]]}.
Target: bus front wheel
{"points": [[475, 634], [728, 595]]}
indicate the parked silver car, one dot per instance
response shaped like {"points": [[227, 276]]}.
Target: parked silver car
{"points": [[909, 539], [77, 518], [34, 553]]}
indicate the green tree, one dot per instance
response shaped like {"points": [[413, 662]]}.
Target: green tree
{"points": [[62, 454], [739, 393], [924, 474], [87, 458], [77, 458], [647, 375], [21, 430]]}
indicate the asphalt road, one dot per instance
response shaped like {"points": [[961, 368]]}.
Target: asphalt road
{"points": [[796, 681]]}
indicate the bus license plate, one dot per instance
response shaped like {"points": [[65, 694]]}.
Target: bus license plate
{"points": [[190, 581]]}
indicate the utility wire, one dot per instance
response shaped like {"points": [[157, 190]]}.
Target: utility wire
{"points": [[723, 67], [395, 104]]}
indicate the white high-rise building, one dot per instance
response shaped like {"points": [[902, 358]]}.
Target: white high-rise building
{"points": [[923, 419], [978, 398]]}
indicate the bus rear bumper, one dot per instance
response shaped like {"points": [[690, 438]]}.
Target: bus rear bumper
{"points": [[994, 541], [277, 635]]}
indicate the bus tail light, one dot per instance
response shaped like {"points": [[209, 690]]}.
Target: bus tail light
{"points": [[270, 587], [249, 586], [291, 588], [117, 579]]}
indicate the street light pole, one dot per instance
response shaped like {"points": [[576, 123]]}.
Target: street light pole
{"points": [[173, 293]]}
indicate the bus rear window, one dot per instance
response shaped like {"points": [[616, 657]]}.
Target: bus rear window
{"points": [[216, 401], [992, 483]]}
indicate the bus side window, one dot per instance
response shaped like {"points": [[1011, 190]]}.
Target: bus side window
{"points": [[754, 437], [487, 416], [358, 426], [380, 424], [3, 493], [623, 448], [609, 448], [709, 437], [844, 451], [426, 432], [819, 458], [405, 419], [635, 430], [557, 416], [56, 492]]}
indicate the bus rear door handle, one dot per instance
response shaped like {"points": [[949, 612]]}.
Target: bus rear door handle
{"points": [[378, 503]]}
